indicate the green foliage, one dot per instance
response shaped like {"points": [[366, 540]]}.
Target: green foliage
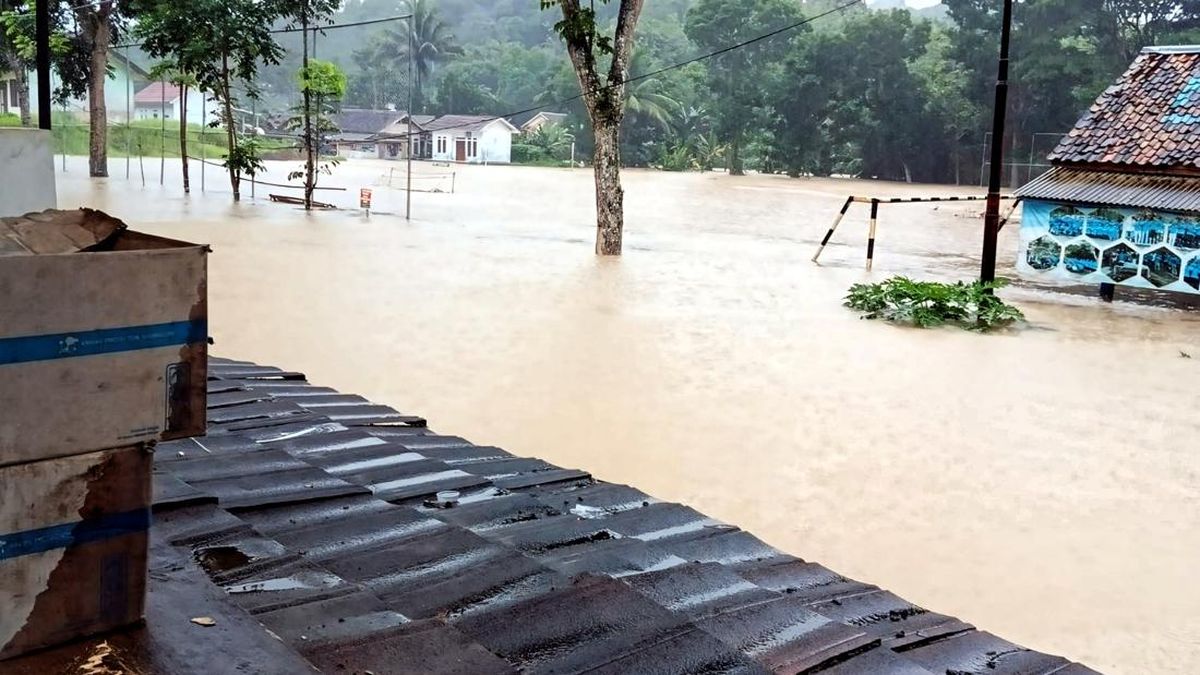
{"points": [[322, 78], [926, 304], [737, 77], [245, 158], [9, 120], [581, 28]]}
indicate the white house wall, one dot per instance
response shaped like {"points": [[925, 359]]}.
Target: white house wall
{"points": [[118, 97], [495, 144]]}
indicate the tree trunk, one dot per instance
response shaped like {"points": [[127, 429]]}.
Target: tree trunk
{"points": [[23, 95], [183, 129], [735, 155], [310, 165], [98, 122], [230, 133], [610, 196]]}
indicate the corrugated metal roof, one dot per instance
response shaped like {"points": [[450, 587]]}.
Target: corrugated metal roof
{"points": [[1150, 117], [327, 532], [1111, 188]]}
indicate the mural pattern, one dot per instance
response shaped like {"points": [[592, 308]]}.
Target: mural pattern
{"points": [[1131, 247]]}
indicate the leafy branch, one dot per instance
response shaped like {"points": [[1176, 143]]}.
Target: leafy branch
{"points": [[926, 304]]}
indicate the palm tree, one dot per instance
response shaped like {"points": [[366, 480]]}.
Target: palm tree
{"points": [[427, 37], [643, 99], [644, 102]]}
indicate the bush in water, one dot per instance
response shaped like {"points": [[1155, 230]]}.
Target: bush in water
{"points": [[927, 303]]}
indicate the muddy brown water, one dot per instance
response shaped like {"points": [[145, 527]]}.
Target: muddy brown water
{"points": [[1042, 483]]}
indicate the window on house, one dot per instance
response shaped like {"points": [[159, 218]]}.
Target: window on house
{"points": [[472, 147]]}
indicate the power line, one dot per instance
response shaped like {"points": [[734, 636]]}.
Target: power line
{"points": [[314, 29], [674, 66]]}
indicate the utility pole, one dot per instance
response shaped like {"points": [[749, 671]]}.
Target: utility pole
{"points": [[408, 185], [991, 218], [42, 37]]}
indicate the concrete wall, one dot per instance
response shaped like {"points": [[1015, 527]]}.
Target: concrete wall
{"points": [[26, 171]]}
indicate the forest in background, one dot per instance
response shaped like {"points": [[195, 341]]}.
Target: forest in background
{"points": [[889, 93], [882, 92]]}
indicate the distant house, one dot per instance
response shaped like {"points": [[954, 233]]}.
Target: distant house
{"points": [[162, 99], [472, 139], [356, 126], [392, 139], [542, 119], [125, 78], [1121, 204]]}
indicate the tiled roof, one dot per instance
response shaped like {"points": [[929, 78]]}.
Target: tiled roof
{"points": [[1150, 118], [157, 93], [1111, 188], [364, 121], [316, 513], [400, 126]]}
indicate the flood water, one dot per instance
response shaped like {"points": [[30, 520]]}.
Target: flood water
{"points": [[1042, 483]]}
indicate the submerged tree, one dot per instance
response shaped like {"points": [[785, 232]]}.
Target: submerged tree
{"points": [[604, 98], [217, 46], [165, 28], [307, 14], [324, 85], [98, 23]]}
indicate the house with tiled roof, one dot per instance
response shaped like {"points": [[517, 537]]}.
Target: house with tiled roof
{"points": [[356, 126], [1121, 203], [165, 100], [471, 139]]}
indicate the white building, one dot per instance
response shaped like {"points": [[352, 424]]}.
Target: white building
{"points": [[470, 139], [159, 99]]}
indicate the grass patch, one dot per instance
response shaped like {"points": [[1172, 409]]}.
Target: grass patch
{"points": [[9, 120], [144, 137], [926, 304]]}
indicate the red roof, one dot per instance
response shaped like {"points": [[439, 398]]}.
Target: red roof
{"points": [[1150, 118], [157, 92]]}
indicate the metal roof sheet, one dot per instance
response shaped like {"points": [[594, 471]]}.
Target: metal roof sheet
{"points": [[330, 536], [1111, 188]]}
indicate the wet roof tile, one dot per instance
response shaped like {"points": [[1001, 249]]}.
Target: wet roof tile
{"points": [[419, 647], [326, 531], [1149, 118], [584, 625]]}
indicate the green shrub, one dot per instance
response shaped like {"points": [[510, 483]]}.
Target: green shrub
{"points": [[928, 303], [9, 120]]}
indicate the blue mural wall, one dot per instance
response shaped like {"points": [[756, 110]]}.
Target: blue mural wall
{"points": [[1131, 247]]}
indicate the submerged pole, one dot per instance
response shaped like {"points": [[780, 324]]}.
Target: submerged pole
{"points": [[991, 218], [408, 181], [836, 221], [871, 234]]}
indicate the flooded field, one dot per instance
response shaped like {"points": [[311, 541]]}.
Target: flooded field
{"points": [[1043, 483]]}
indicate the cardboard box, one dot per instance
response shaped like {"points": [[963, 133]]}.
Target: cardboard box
{"points": [[73, 544], [103, 336]]}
